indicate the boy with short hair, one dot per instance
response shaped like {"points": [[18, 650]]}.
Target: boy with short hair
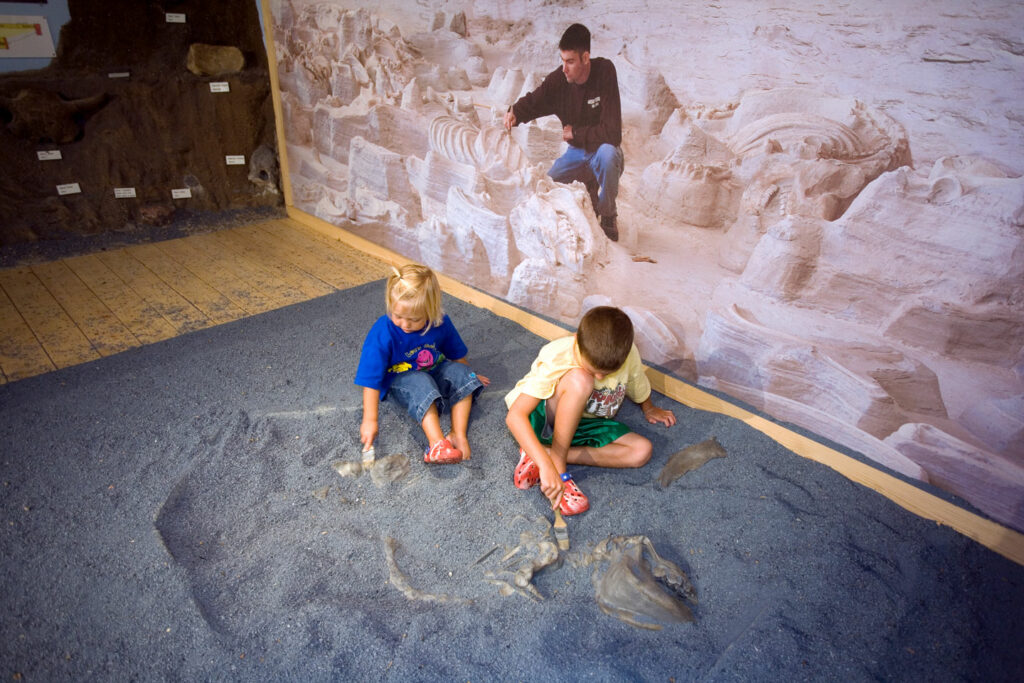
{"points": [[560, 412]]}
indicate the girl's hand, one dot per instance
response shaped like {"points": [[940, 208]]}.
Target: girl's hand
{"points": [[551, 485], [367, 433]]}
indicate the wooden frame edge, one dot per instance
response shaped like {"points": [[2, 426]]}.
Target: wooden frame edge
{"points": [[275, 92]]}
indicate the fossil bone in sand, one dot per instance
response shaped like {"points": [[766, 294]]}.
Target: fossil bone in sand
{"points": [[635, 584], [689, 459], [400, 581], [389, 469], [517, 567], [382, 470]]}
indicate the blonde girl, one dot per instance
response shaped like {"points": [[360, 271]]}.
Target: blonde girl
{"points": [[414, 356]]}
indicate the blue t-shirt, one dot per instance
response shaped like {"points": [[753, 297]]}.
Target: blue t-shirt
{"points": [[388, 351]]}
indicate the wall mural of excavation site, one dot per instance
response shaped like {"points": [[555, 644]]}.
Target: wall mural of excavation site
{"points": [[821, 212]]}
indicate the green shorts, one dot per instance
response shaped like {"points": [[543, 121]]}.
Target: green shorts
{"points": [[591, 431]]}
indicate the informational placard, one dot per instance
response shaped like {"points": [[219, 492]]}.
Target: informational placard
{"points": [[181, 193], [235, 159], [68, 188], [124, 192], [49, 155], [174, 18], [220, 86], [119, 74], [25, 36]]}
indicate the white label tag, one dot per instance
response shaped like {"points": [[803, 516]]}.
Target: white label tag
{"points": [[124, 192], [119, 74], [49, 155], [68, 188], [235, 159], [183, 193], [175, 18], [220, 86]]}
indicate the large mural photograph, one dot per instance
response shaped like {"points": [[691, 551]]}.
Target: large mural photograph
{"points": [[820, 213]]}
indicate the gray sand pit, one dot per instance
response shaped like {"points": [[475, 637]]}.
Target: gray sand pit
{"points": [[176, 511]]}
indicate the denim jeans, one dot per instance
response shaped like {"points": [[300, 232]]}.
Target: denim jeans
{"points": [[605, 166], [416, 390]]}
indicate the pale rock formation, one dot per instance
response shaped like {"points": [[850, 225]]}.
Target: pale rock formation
{"points": [[647, 101], [378, 172], [478, 231], [693, 192], [998, 423], [993, 483], [554, 225]]}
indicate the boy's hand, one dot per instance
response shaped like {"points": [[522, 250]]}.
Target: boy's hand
{"points": [[367, 433], [483, 380], [551, 485], [655, 415]]}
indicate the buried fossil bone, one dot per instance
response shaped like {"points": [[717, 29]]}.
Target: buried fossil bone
{"points": [[689, 459], [382, 470], [399, 580], [636, 585], [518, 565]]}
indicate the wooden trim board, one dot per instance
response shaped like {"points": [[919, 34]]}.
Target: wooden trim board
{"points": [[1003, 540]]}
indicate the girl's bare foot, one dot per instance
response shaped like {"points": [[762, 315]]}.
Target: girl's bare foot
{"points": [[460, 442]]}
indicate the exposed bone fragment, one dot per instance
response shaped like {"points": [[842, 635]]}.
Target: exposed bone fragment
{"points": [[689, 459], [400, 581], [636, 585]]}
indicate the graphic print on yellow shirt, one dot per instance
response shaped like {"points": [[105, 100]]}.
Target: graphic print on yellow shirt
{"points": [[605, 402]]}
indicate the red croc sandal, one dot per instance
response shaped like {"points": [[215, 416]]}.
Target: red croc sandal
{"points": [[527, 474], [573, 501], [442, 453]]}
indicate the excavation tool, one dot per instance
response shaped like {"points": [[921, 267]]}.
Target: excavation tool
{"points": [[369, 454], [561, 531]]}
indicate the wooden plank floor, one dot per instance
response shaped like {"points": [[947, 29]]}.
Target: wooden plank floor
{"points": [[57, 314]]}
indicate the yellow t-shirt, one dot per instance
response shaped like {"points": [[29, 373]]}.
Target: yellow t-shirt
{"points": [[561, 355]]}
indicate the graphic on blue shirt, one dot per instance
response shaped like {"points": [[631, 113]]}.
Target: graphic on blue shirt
{"points": [[388, 351], [425, 359]]}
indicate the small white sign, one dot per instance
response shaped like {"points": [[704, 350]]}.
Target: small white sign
{"points": [[124, 192], [49, 155], [174, 18], [119, 74], [182, 193], [235, 159], [69, 188], [220, 86]]}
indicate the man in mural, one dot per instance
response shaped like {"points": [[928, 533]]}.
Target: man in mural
{"points": [[584, 94]]}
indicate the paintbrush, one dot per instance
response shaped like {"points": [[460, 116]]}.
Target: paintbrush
{"points": [[368, 456], [561, 531]]}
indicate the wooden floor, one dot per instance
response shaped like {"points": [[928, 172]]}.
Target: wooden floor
{"points": [[61, 313]]}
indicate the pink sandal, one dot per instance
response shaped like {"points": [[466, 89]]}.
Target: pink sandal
{"points": [[442, 453], [527, 474], [573, 501]]}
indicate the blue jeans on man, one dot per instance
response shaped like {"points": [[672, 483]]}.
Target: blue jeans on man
{"points": [[603, 167]]}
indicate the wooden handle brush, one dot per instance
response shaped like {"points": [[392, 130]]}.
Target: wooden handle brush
{"points": [[561, 531]]}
